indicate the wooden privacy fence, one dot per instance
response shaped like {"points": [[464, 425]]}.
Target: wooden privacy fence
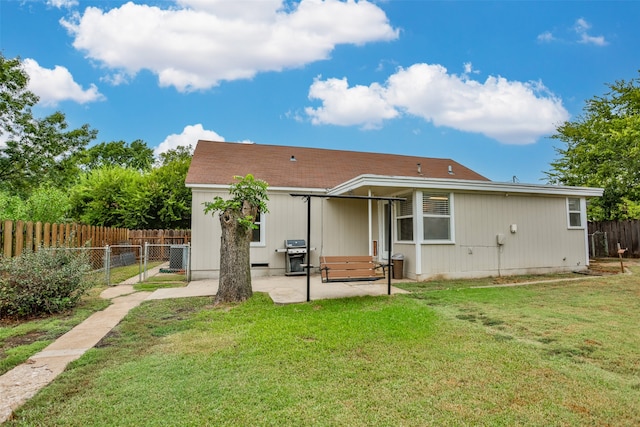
{"points": [[159, 237], [626, 232], [18, 236]]}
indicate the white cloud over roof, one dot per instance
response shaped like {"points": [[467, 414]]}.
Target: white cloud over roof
{"points": [[511, 112], [345, 106], [57, 84], [190, 134], [196, 44]]}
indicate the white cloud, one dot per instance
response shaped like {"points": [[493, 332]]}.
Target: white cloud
{"points": [[546, 37], [62, 3], [57, 84], [511, 112], [468, 69], [345, 106], [189, 136], [196, 44], [582, 28]]}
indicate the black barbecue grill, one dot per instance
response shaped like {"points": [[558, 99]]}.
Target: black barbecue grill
{"points": [[296, 256]]}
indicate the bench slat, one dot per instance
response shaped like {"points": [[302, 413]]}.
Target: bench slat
{"points": [[348, 259], [345, 268], [349, 266]]}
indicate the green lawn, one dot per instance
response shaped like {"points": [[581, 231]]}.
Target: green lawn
{"points": [[21, 339], [551, 354]]}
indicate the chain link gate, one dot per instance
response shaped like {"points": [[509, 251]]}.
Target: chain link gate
{"points": [[105, 258], [598, 245], [121, 256]]}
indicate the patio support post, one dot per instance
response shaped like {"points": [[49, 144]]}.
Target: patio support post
{"points": [[390, 244], [308, 248], [308, 197]]}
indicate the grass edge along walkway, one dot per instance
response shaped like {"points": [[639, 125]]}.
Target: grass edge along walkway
{"points": [[25, 380]]}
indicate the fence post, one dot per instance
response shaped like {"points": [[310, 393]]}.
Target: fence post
{"points": [[140, 264], [107, 264], [188, 266], [146, 257]]}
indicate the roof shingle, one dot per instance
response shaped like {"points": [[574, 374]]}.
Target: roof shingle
{"points": [[298, 167]]}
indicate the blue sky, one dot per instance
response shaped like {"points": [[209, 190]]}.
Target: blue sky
{"points": [[484, 83]]}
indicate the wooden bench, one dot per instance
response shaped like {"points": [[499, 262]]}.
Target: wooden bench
{"points": [[349, 268]]}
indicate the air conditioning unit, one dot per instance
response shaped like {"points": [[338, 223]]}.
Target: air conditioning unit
{"points": [[178, 257]]}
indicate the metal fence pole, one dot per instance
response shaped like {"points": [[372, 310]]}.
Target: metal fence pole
{"points": [[140, 264], [146, 258], [107, 264], [188, 266]]}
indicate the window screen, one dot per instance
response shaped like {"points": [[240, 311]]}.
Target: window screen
{"points": [[575, 212], [436, 212], [404, 220]]}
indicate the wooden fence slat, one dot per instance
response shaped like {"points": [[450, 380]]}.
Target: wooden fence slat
{"points": [[8, 239], [626, 233], [38, 240], [18, 236]]}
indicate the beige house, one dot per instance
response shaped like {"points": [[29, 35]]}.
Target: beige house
{"points": [[453, 222]]}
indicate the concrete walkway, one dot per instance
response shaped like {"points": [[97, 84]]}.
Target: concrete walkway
{"points": [[24, 381]]}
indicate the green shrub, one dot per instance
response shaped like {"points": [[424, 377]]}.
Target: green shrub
{"points": [[46, 281]]}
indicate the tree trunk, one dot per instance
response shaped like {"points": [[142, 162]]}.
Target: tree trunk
{"points": [[235, 265]]}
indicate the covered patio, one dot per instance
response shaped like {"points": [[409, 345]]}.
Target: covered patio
{"points": [[286, 289]]}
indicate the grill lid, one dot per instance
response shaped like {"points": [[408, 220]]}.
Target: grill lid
{"points": [[295, 243]]}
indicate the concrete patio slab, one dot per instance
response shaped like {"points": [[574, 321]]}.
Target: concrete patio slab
{"points": [[285, 289]]}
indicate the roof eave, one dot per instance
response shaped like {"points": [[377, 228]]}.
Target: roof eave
{"points": [[462, 185]]}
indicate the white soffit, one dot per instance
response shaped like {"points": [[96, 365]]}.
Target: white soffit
{"points": [[462, 185]]}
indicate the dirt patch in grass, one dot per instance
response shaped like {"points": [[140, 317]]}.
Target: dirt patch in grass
{"points": [[20, 340], [608, 266]]}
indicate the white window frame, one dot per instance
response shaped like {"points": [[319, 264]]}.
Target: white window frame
{"points": [[450, 216], [262, 242], [582, 212], [397, 217]]}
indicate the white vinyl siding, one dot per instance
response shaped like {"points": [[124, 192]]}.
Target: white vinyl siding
{"points": [[436, 216], [541, 244]]}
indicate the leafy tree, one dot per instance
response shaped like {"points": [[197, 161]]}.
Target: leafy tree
{"points": [[602, 149], [136, 155], [171, 199], [112, 196], [237, 217], [180, 153], [36, 150], [12, 207], [117, 196], [48, 204]]}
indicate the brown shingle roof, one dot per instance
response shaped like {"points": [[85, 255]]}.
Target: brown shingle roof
{"points": [[219, 162]]}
